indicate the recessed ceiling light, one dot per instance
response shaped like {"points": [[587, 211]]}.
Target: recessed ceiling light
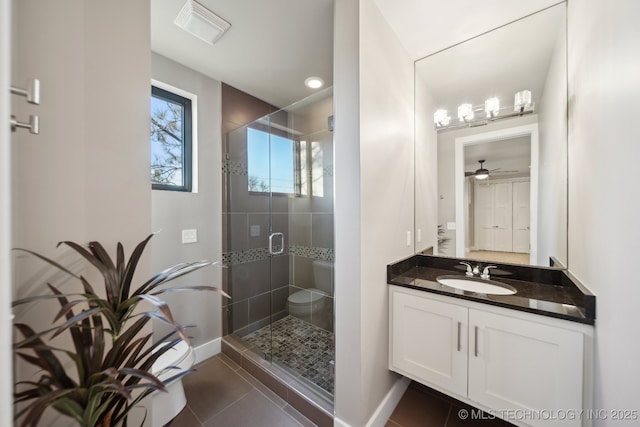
{"points": [[314, 82]]}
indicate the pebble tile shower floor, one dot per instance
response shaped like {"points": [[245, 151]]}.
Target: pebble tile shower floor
{"points": [[300, 346]]}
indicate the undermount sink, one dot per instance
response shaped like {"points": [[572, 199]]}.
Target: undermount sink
{"points": [[477, 285]]}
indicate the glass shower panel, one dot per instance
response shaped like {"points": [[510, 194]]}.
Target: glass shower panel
{"points": [[279, 239]]}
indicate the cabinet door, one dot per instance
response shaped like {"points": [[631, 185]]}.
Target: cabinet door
{"points": [[528, 367], [428, 341]]}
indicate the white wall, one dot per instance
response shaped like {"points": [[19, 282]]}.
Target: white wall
{"points": [[173, 211], [604, 201], [552, 182], [348, 298], [6, 381], [86, 176], [374, 199], [387, 186]]}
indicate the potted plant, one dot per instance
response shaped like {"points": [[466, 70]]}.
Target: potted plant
{"points": [[442, 239], [111, 356]]}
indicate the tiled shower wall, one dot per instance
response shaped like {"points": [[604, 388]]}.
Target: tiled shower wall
{"points": [[259, 290]]}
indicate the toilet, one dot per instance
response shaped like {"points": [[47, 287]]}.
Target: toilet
{"points": [[165, 406], [307, 303]]}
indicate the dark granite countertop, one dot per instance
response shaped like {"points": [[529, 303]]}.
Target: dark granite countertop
{"points": [[549, 292]]}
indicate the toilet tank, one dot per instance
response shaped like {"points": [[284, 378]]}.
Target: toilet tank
{"points": [[323, 275]]}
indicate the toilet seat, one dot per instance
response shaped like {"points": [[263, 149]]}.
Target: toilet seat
{"points": [[180, 355], [306, 296]]}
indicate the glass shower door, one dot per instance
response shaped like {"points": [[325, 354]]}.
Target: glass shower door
{"points": [[280, 237]]}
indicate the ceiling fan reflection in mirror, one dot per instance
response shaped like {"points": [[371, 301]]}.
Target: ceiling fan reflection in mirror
{"points": [[483, 173]]}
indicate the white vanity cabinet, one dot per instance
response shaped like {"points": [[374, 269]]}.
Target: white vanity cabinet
{"points": [[526, 368], [428, 341]]}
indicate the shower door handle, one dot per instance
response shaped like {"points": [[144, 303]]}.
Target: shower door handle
{"points": [[279, 251]]}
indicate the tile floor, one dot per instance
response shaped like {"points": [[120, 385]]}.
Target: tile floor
{"points": [[423, 407], [220, 394], [305, 348]]}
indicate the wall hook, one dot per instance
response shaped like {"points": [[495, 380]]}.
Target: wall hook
{"points": [[33, 125], [32, 92]]}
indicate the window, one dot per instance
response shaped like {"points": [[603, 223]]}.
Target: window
{"points": [[270, 162], [171, 145]]}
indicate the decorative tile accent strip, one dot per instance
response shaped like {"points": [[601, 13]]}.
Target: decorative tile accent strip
{"points": [[234, 168], [258, 254], [325, 254], [241, 257], [300, 346]]}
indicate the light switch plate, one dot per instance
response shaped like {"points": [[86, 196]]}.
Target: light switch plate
{"points": [[190, 236], [451, 226]]}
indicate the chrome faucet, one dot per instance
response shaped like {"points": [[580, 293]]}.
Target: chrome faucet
{"points": [[485, 272], [471, 271]]}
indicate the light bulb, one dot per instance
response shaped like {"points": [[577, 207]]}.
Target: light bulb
{"points": [[465, 112], [492, 107], [440, 118], [522, 101], [314, 82]]}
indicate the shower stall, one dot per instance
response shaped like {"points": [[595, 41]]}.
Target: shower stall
{"points": [[278, 239]]}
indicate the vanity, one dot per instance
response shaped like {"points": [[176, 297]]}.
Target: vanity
{"points": [[524, 357]]}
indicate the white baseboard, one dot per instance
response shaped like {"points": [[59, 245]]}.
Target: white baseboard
{"points": [[337, 422], [389, 403], [386, 407], [207, 350]]}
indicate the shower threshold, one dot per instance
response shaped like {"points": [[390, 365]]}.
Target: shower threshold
{"points": [[308, 399]]}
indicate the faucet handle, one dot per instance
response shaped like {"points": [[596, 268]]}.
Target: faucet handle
{"points": [[485, 272], [469, 268]]}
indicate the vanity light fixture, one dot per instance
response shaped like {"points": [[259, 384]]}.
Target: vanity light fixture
{"points": [[467, 116], [492, 107], [441, 119], [314, 82], [200, 22], [465, 113]]}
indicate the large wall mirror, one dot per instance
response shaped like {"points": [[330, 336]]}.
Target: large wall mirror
{"points": [[491, 145]]}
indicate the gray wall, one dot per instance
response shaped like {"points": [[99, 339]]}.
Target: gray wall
{"points": [[86, 176], [174, 211]]}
